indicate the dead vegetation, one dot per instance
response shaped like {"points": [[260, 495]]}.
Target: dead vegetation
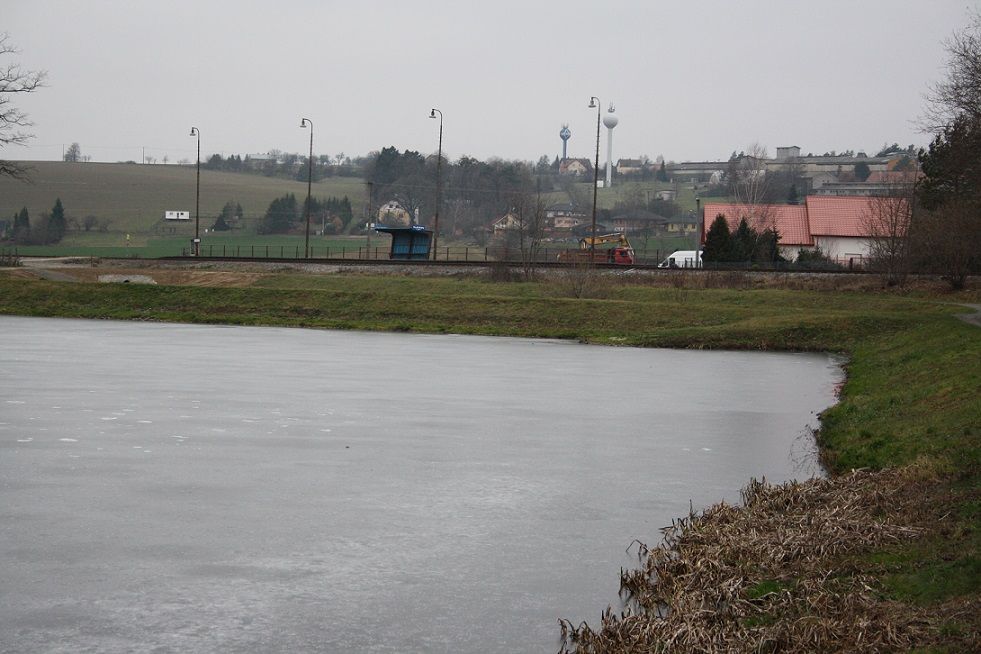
{"points": [[779, 575]]}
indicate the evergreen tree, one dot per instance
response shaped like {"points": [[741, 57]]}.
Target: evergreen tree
{"points": [[662, 173], [56, 223], [280, 216], [717, 241], [792, 197], [766, 250], [743, 242], [22, 226]]}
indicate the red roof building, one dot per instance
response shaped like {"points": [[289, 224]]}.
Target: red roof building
{"points": [[835, 224]]}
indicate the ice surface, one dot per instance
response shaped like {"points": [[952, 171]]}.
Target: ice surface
{"points": [[244, 489]]}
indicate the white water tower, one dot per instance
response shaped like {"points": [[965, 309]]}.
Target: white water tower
{"points": [[610, 120]]}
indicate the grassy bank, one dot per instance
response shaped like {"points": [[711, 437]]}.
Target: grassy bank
{"points": [[911, 399]]}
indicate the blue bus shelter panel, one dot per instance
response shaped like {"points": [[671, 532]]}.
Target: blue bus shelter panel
{"points": [[408, 242]]}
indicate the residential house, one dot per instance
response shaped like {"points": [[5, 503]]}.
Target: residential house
{"points": [[575, 167], [681, 225], [833, 224], [789, 221], [392, 213], [638, 220], [564, 217], [507, 223], [630, 167]]}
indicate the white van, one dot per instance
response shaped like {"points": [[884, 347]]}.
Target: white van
{"points": [[682, 259]]}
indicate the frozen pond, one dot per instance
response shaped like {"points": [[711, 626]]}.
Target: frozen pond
{"points": [[175, 488]]}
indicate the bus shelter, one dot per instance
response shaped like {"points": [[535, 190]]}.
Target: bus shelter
{"points": [[408, 242]]}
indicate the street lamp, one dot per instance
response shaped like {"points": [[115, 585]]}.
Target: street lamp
{"points": [[197, 201], [306, 245], [699, 225], [439, 189], [594, 102]]}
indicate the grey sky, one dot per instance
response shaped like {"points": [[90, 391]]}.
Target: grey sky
{"points": [[690, 81]]}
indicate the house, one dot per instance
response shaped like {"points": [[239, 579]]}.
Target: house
{"points": [[506, 223], [789, 221], [630, 167], [392, 213], [669, 195], [575, 167], [638, 220], [837, 225], [833, 224], [564, 217], [681, 225]]}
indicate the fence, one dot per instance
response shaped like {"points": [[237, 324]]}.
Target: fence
{"points": [[454, 254], [475, 254]]}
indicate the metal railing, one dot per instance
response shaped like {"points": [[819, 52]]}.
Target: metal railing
{"points": [[503, 254]]}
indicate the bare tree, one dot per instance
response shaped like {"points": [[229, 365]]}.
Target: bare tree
{"points": [[14, 80], [529, 210], [750, 187], [74, 153], [887, 221], [748, 181], [960, 93]]}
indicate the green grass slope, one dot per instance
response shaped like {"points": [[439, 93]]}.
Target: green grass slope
{"points": [[134, 197]]}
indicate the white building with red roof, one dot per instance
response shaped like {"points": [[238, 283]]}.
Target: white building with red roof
{"points": [[832, 223]]}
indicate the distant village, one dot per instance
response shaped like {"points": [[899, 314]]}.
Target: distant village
{"points": [[815, 202]]}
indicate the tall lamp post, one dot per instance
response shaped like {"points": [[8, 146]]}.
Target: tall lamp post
{"points": [[594, 102], [306, 244], [439, 188], [197, 200], [699, 225]]}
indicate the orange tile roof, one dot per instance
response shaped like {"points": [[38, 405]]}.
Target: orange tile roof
{"points": [[789, 220], [831, 215]]}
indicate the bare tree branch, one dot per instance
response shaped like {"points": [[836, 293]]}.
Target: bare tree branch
{"points": [[960, 93], [13, 80]]}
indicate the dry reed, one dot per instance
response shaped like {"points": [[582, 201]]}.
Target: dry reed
{"points": [[773, 575]]}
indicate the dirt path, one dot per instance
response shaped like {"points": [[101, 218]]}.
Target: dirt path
{"points": [[971, 318]]}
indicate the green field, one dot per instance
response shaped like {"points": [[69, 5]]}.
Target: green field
{"points": [[145, 246], [134, 197]]}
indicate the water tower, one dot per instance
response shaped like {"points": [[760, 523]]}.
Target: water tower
{"points": [[610, 120], [565, 134]]}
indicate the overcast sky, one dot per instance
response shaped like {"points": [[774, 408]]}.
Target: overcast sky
{"points": [[691, 80]]}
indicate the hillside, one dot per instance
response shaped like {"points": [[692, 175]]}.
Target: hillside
{"points": [[134, 196]]}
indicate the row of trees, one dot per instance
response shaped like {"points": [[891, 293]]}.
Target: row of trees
{"points": [[288, 165], [285, 214], [49, 228], [744, 245]]}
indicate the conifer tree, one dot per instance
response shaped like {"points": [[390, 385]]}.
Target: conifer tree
{"points": [[717, 241], [22, 226], [56, 223]]}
